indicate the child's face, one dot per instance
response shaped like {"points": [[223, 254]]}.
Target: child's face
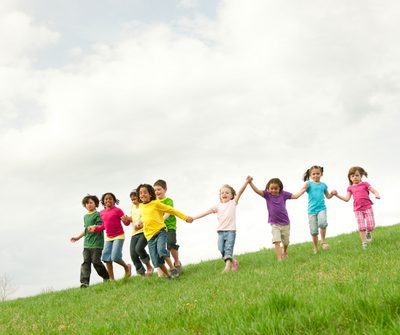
{"points": [[90, 205], [274, 189], [316, 175], [109, 201], [356, 178], [160, 192], [226, 194], [135, 200], [144, 195]]}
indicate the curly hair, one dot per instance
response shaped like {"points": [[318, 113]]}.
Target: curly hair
{"points": [[116, 201], [306, 175], [276, 181], [354, 169], [86, 199], [150, 189]]}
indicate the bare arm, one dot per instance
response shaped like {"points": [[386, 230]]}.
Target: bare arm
{"points": [[166, 216], [346, 198], [255, 189], [298, 194], [375, 192], [210, 211], [239, 194], [74, 239], [328, 195]]}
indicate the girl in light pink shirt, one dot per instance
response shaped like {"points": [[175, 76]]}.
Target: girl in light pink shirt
{"points": [[362, 203], [226, 229]]}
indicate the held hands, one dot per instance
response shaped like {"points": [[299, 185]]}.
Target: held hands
{"points": [[189, 219], [124, 219], [249, 179], [334, 192], [91, 229], [306, 186]]}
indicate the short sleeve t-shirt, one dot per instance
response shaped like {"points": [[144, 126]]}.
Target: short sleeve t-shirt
{"points": [[360, 194], [93, 240], [226, 215], [277, 213], [316, 199]]}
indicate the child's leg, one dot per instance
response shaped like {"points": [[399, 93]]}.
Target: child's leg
{"points": [[162, 250], [160, 272], [230, 237], [285, 235], [110, 270], [98, 265], [106, 257], [164, 270], [278, 250], [172, 246], [313, 223], [157, 259], [116, 256], [323, 224], [86, 267], [369, 217], [361, 225], [143, 255], [276, 240], [135, 257]]}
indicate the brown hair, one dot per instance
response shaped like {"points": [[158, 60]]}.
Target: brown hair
{"points": [[229, 187], [353, 170], [276, 181], [86, 199], [150, 189], [161, 183], [134, 193], [306, 175]]}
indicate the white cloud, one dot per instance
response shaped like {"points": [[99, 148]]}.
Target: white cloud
{"points": [[76, 51]]}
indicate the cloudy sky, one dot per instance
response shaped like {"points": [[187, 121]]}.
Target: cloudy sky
{"points": [[100, 96]]}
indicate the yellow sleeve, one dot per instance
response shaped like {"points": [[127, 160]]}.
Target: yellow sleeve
{"points": [[170, 210]]}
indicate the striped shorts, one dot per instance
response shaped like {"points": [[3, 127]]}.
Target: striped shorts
{"points": [[365, 219]]}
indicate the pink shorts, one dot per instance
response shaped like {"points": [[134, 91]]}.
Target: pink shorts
{"points": [[365, 219]]}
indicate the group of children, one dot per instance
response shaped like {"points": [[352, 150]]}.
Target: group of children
{"points": [[153, 220]]}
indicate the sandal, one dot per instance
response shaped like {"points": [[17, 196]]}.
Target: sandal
{"points": [[235, 266], [285, 255], [325, 246], [150, 273]]}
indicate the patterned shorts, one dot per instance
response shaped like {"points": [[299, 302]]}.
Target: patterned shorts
{"points": [[365, 219]]}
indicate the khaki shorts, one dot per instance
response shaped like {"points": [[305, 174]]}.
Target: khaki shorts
{"points": [[280, 234]]}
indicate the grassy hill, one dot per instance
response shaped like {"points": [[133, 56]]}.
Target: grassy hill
{"points": [[344, 290]]}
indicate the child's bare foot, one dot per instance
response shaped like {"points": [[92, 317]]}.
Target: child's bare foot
{"points": [[225, 270], [150, 271], [143, 275], [315, 251]]}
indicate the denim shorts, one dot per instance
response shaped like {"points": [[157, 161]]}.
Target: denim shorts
{"points": [[113, 251], [316, 221], [157, 248], [226, 242]]}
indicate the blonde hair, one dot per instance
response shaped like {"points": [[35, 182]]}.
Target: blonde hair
{"points": [[353, 170], [228, 187]]}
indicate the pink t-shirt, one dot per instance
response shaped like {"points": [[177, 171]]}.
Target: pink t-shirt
{"points": [[112, 222], [226, 215], [360, 196]]}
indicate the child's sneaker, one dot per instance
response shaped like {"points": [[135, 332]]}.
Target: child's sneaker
{"points": [[83, 285], [179, 267], [174, 274], [369, 236], [365, 245]]}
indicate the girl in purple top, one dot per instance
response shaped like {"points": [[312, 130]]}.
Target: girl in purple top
{"points": [[362, 203], [278, 216], [115, 235]]}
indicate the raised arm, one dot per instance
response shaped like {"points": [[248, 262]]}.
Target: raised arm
{"points": [[346, 198], [210, 211], [375, 192], [239, 194], [255, 189]]}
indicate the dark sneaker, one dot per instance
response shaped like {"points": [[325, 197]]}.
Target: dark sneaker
{"points": [[365, 245], [174, 274], [84, 285], [179, 267], [167, 278], [369, 236]]}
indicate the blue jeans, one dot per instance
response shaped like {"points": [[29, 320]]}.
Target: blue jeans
{"points": [[316, 221], [113, 251], [158, 248], [226, 242]]}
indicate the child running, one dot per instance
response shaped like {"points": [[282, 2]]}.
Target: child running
{"points": [[115, 236], [278, 216], [160, 188], [93, 243], [316, 204], [362, 203], [155, 229], [226, 229], [138, 241]]}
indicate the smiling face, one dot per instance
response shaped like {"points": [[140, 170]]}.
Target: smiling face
{"points": [[356, 178], [274, 189], [144, 195], [90, 206], [316, 175], [109, 201], [226, 194], [160, 192]]}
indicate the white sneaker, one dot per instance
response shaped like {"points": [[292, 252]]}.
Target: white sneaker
{"points": [[369, 236], [365, 245]]}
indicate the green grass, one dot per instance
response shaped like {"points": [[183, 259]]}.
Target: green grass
{"points": [[344, 290]]}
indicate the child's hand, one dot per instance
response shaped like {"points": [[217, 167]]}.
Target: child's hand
{"points": [[378, 197], [74, 239], [91, 229], [334, 192], [189, 219], [306, 186], [124, 219], [249, 179]]}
